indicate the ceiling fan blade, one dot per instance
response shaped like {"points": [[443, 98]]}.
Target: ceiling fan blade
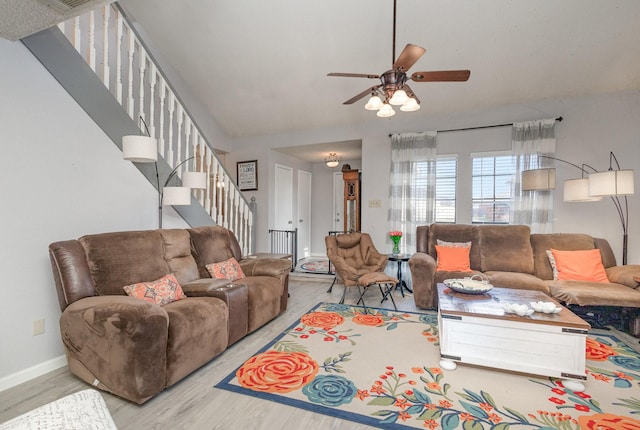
{"points": [[441, 76], [408, 57], [407, 89], [361, 95], [354, 75]]}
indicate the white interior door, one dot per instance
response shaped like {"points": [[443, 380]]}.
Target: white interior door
{"points": [[338, 201], [283, 197], [304, 214]]}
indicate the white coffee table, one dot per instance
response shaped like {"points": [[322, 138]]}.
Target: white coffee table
{"points": [[475, 329]]}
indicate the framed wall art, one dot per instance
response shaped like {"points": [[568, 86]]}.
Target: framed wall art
{"points": [[248, 175]]}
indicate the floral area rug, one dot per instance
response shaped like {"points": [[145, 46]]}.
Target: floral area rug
{"points": [[381, 369], [313, 265]]}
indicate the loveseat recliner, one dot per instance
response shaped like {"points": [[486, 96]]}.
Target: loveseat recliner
{"points": [[134, 348], [509, 256]]}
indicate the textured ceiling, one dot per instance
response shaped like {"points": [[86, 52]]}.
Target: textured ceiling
{"points": [[22, 18]]}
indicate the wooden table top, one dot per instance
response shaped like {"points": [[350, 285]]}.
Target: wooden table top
{"points": [[489, 305]]}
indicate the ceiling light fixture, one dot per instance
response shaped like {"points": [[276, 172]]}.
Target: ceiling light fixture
{"points": [[332, 160]]}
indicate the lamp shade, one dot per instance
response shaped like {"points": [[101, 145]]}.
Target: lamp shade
{"points": [[175, 196], [410, 105], [374, 103], [194, 180], [577, 190], [140, 149], [611, 183], [386, 111], [539, 179], [398, 98]]}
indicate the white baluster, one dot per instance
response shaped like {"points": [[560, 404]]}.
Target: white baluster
{"points": [[211, 188], [118, 56], [77, 34], [187, 144], [132, 48], [152, 99], [91, 47], [163, 93], [142, 68], [105, 45], [179, 121], [169, 147]]}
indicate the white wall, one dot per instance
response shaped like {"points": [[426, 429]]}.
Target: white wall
{"points": [[61, 178]]}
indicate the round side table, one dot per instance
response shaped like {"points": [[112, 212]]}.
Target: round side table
{"points": [[401, 258]]}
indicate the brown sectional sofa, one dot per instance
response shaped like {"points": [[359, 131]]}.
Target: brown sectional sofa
{"points": [[511, 257], [134, 348]]}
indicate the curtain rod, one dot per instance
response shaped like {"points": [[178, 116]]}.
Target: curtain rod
{"points": [[483, 126]]}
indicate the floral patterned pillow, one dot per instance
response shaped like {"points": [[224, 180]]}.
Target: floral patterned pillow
{"points": [[161, 291], [228, 269]]}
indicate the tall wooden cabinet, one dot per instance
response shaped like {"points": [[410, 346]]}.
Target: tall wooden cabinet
{"points": [[351, 200]]}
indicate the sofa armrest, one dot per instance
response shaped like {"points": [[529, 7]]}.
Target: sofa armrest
{"points": [[423, 272], [275, 267], [118, 343], [625, 275]]}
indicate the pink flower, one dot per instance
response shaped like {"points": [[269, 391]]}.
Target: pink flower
{"points": [[395, 233]]}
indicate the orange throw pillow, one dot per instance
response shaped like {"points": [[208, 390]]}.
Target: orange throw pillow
{"points": [[228, 269], [453, 259], [583, 265], [161, 291]]}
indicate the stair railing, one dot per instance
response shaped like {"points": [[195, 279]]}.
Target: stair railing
{"points": [[115, 52]]}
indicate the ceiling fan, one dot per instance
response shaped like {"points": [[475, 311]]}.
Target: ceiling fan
{"points": [[393, 88]]}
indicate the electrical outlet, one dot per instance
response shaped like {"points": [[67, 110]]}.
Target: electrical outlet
{"points": [[38, 327], [375, 203]]}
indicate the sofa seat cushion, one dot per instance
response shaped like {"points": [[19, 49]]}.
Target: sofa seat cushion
{"points": [[265, 293], [519, 281], [197, 333], [594, 293]]}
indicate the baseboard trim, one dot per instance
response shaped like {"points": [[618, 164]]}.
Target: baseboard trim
{"points": [[25, 375]]}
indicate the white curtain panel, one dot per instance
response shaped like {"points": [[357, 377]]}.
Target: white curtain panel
{"points": [[530, 139], [412, 188]]}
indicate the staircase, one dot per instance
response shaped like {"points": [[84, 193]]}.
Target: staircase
{"points": [[104, 65]]}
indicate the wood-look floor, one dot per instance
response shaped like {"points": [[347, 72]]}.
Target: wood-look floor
{"points": [[194, 403]]}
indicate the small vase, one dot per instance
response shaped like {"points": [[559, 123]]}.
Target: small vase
{"points": [[396, 242]]}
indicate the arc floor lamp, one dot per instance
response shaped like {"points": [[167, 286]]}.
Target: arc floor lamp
{"points": [[144, 149], [614, 183]]}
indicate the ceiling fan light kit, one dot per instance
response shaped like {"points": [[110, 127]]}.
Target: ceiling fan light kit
{"points": [[386, 111], [393, 83]]}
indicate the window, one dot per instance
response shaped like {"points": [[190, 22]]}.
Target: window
{"points": [[445, 201], [492, 176], [446, 172]]}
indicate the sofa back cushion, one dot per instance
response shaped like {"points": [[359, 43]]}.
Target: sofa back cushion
{"points": [[456, 233], [124, 258], [213, 244], [177, 253], [562, 241], [505, 248]]}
